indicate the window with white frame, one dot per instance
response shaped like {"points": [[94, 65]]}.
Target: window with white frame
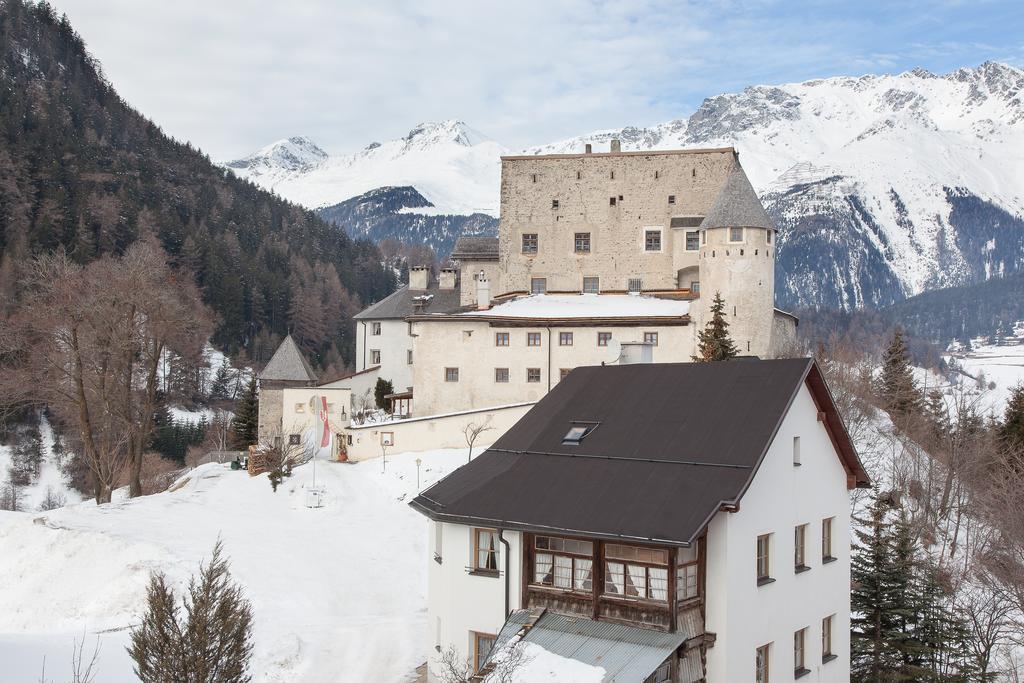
{"points": [[375, 356], [485, 550], [591, 285], [686, 581]]}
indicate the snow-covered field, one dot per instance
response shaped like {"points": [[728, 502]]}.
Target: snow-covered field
{"points": [[1002, 366], [339, 592]]}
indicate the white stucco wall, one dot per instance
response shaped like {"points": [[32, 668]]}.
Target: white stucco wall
{"points": [[394, 344], [431, 433], [307, 421], [782, 496], [459, 602]]}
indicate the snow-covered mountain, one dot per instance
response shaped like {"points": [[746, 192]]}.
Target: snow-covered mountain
{"points": [[454, 167], [882, 186]]}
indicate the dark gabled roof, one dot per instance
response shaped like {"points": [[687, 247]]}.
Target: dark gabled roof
{"points": [[288, 364], [476, 248], [673, 443], [737, 205], [400, 304]]}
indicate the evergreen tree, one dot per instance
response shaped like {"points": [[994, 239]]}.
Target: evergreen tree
{"points": [[382, 389], [896, 386], [221, 389], [938, 414], [714, 341], [871, 623], [1011, 431], [244, 426]]}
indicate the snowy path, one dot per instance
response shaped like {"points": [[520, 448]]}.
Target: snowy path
{"points": [[338, 592]]}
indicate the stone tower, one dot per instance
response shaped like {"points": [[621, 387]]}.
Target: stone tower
{"points": [[737, 260], [287, 368]]}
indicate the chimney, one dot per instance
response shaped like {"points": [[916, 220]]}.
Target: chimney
{"points": [[616, 146], [483, 292], [633, 353], [447, 278], [588, 149], [418, 277]]}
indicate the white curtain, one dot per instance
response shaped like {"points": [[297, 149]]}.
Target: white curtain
{"points": [[659, 583], [615, 580], [542, 568], [563, 572], [583, 579], [638, 580]]}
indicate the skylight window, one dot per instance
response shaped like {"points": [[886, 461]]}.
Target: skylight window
{"points": [[577, 432]]}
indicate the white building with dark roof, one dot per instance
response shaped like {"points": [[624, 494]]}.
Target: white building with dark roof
{"points": [[655, 522]]}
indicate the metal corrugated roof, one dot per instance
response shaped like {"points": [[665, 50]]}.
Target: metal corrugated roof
{"points": [[626, 653]]}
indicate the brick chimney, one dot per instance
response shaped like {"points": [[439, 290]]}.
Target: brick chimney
{"points": [[418, 277], [483, 291], [446, 279], [616, 146]]}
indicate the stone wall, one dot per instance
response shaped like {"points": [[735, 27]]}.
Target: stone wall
{"points": [[584, 186]]}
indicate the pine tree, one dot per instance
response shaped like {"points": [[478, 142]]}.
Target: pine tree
{"points": [[871, 623], [896, 385], [244, 426], [714, 341], [211, 644], [220, 390], [1011, 431], [382, 389]]}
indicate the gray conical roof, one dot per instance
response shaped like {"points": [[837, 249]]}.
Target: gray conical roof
{"points": [[737, 205], [288, 364]]}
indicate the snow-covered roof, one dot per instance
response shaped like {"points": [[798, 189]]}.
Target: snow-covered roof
{"points": [[587, 306]]}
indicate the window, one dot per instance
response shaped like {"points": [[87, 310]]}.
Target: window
{"points": [[533, 338], [482, 644], [703, 236], [563, 373], [799, 548], [532, 374], [294, 439], [826, 540], [501, 338], [534, 176], [635, 572], [768, 236], [826, 639], [408, 357], [611, 201], [501, 375], [663, 674], [538, 285], [375, 356], [451, 374], [764, 559], [799, 643], [761, 664], [576, 433], [796, 449], [579, 175], [565, 338], [375, 329], [530, 243], [300, 407], [671, 199], [651, 338], [686, 581], [603, 338], [612, 176], [735, 234], [591, 285], [652, 240], [635, 285], [583, 243], [485, 550], [554, 203], [564, 563], [695, 287], [692, 240]]}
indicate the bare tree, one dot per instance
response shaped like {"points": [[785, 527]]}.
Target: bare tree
{"points": [[501, 666], [278, 454], [82, 670], [472, 431]]}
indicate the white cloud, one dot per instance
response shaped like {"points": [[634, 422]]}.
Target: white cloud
{"points": [[232, 75]]}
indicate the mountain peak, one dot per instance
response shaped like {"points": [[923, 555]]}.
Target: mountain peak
{"points": [[295, 154], [451, 131]]}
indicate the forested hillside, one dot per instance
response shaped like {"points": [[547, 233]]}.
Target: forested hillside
{"points": [[81, 170]]}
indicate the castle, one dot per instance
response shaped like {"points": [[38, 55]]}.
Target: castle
{"points": [[598, 256]]}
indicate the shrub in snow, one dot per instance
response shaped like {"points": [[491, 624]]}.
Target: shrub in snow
{"points": [[207, 639], [380, 390]]}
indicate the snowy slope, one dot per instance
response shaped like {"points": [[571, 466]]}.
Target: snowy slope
{"points": [[450, 164], [339, 592]]}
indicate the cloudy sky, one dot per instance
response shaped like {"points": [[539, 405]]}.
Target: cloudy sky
{"points": [[232, 76]]}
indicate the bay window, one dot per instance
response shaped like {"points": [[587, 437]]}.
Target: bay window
{"points": [[563, 563], [636, 572]]}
